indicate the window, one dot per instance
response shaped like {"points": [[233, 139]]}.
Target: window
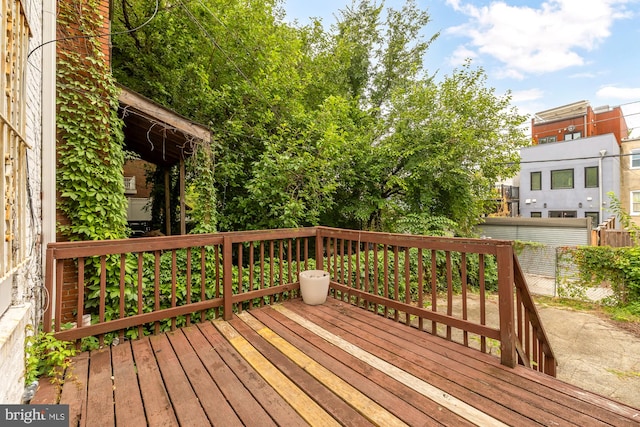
{"points": [[635, 159], [547, 140], [536, 214], [635, 203], [13, 50], [591, 177], [563, 214], [536, 181], [573, 135], [562, 178], [595, 218]]}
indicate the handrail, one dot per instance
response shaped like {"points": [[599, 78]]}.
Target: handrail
{"points": [[146, 285]]}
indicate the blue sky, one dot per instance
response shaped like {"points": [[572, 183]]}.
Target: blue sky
{"points": [[548, 53]]}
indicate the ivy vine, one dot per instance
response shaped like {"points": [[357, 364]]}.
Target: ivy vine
{"points": [[90, 137]]}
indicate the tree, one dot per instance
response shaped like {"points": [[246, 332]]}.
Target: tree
{"points": [[341, 127]]}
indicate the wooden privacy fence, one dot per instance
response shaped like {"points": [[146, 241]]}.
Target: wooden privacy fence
{"points": [[607, 235], [445, 286]]}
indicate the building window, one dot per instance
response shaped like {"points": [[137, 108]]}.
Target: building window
{"points": [[536, 214], [591, 177], [572, 135], [595, 218], [547, 140], [635, 203], [536, 181], [563, 214], [561, 179], [635, 159], [13, 51]]}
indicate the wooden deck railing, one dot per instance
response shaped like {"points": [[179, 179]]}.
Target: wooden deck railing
{"points": [[446, 286]]}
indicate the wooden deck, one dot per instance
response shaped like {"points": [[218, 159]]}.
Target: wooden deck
{"points": [[333, 364]]}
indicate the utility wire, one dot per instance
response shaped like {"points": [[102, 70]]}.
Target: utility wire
{"points": [[86, 36]]}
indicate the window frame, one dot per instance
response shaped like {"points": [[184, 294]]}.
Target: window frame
{"points": [[631, 203], [536, 214], [531, 174], [573, 182], [590, 168], [571, 136], [634, 153], [593, 215], [547, 139]]}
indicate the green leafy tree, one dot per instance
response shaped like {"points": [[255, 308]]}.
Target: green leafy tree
{"points": [[338, 126]]}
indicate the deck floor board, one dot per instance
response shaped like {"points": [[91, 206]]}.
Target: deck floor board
{"points": [[352, 366]]}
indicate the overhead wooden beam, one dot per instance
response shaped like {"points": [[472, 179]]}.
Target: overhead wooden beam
{"points": [[162, 114]]}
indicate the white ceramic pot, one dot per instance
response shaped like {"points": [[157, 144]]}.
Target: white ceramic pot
{"points": [[314, 286]]}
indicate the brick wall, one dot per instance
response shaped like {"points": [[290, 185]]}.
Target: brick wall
{"points": [[138, 169]]}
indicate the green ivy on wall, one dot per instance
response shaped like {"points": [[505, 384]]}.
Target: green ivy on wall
{"points": [[90, 139]]}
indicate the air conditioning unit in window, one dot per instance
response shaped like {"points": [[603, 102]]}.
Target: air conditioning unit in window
{"points": [[130, 185]]}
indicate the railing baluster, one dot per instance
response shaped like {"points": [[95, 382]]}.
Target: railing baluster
{"points": [[289, 261], [434, 289], [463, 279], [386, 278], [103, 293], [156, 288], [420, 288], [376, 281], [281, 281], [140, 287], [227, 277], [483, 313], [188, 285], [449, 291], [240, 278], [121, 312], [251, 270], [349, 282], [80, 300], [174, 267], [367, 283], [407, 284], [261, 270], [271, 265], [360, 301], [203, 279]]}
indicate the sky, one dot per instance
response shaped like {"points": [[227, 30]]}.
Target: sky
{"points": [[547, 53]]}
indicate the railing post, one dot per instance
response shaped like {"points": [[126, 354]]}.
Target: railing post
{"points": [[504, 256], [319, 250], [227, 277]]}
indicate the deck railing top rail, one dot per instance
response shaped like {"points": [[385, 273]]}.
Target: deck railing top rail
{"points": [[441, 285]]}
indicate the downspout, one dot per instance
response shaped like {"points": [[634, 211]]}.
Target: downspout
{"points": [[602, 153], [48, 112]]}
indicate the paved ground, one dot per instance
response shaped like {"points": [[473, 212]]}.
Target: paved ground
{"points": [[592, 352]]}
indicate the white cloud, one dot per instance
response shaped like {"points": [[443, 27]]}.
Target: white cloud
{"points": [[526, 95], [622, 93], [583, 76], [460, 55], [538, 40]]}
